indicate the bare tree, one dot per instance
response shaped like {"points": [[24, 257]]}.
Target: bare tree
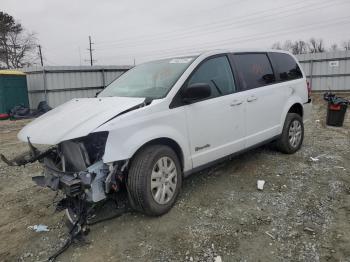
{"points": [[316, 45], [21, 49], [17, 47], [346, 45], [297, 47], [277, 46], [334, 47], [287, 45]]}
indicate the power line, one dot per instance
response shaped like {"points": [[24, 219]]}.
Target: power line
{"points": [[274, 33], [212, 27], [230, 41], [223, 28], [137, 38]]}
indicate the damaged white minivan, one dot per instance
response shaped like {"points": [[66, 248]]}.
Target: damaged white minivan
{"points": [[163, 120]]}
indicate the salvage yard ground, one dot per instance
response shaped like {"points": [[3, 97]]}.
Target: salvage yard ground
{"points": [[303, 213]]}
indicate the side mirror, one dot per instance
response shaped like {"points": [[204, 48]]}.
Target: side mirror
{"points": [[197, 91]]}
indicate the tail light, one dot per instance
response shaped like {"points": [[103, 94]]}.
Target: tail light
{"points": [[308, 86]]}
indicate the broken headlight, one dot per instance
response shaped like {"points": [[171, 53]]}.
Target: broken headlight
{"points": [[78, 154]]}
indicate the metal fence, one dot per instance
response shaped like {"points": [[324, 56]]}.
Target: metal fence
{"points": [[327, 71], [58, 84]]}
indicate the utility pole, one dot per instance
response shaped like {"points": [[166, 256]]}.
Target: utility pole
{"points": [[90, 49], [41, 55]]}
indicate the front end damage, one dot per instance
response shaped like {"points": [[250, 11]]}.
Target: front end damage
{"points": [[74, 164], [75, 168]]}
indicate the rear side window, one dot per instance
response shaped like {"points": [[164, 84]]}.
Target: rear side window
{"points": [[217, 73], [254, 70], [285, 66]]}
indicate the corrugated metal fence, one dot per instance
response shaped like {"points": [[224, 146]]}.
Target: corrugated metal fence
{"points": [[58, 84], [327, 71]]}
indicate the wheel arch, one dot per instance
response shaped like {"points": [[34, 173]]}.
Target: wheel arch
{"points": [[167, 142], [293, 105], [297, 108]]}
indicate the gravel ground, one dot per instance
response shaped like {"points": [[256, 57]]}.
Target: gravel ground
{"points": [[303, 213]]}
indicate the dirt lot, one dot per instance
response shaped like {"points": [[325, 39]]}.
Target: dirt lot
{"points": [[303, 213]]}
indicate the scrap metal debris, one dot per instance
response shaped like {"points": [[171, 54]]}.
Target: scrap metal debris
{"points": [[39, 228], [260, 184], [308, 229], [317, 158], [270, 235], [340, 167], [218, 259]]}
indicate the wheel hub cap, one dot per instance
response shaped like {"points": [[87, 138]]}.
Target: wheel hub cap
{"points": [[295, 133], [163, 180]]}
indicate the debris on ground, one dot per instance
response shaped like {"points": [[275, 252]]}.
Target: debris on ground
{"points": [[39, 228], [267, 233], [21, 112], [308, 229], [315, 159], [219, 211], [218, 259], [260, 184]]}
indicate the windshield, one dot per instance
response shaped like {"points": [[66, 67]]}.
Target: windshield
{"points": [[152, 79]]}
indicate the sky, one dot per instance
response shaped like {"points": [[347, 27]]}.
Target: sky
{"points": [[128, 31]]}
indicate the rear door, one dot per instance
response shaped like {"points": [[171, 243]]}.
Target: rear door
{"points": [[265, 98]]}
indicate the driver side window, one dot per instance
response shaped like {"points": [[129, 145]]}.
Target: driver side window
{"points": [[217, 73]]}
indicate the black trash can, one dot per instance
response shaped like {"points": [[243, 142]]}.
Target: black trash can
{"points": [[336, 114]]}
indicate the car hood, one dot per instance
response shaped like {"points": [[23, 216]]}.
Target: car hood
{"points": [[76, 118]]}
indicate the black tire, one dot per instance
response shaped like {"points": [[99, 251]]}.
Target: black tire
{"points": [[283, 143], [139, 180]]}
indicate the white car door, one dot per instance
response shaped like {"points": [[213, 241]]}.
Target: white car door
{"points": [[264, 97], [215, 125]]}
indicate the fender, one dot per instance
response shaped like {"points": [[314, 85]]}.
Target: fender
{"points": [[131, 131], [121, 147], [291, 101]]}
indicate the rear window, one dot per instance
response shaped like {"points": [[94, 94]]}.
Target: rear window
{"points": [[285, 66], [254, 70]]}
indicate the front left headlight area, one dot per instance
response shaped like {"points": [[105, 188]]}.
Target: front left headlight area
{"points": [[78, 154], [76, 167]]}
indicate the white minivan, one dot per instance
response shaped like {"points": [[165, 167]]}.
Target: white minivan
{"points": [[163, 120]]}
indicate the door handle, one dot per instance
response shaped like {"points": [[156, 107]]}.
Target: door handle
{"points": [[236, 102], [251, 98]]}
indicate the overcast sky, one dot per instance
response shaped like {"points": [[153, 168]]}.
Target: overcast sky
{"points": [[125, 30]]}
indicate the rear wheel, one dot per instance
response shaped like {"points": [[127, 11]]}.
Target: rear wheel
{"points": [[292, 135], [154, 180]]}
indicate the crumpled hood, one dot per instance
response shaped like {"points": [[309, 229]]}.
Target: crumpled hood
{"points": [[76, 118]]}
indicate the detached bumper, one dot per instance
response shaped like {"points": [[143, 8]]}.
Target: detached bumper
{"points": [[91, 182], [69, 183]]}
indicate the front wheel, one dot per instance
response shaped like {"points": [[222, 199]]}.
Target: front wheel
{"points": [[154, 180], [292, 135]]}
